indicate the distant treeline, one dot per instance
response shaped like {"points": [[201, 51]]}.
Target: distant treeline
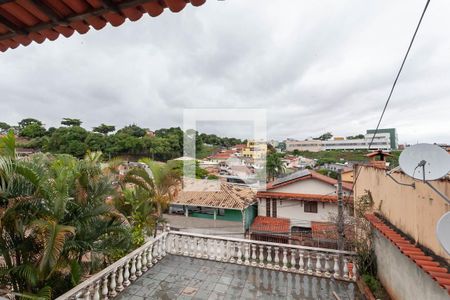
{"points": [[163, 144]]}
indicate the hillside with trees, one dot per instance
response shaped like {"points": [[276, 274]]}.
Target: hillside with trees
{"points": [[131, 141]]}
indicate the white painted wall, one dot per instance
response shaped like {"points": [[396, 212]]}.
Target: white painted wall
{"points": [[294, 211], [308, 186]]}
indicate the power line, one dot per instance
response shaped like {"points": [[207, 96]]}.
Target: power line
{"points": [[393, 86]]}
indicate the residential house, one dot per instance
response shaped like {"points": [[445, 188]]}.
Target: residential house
{"points": [[304, 198], [222, 156], [217, 201]]}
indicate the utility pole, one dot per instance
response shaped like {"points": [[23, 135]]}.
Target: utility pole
{"points": [[340, 220]]}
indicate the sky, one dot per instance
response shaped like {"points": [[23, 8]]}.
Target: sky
{"points": [[314, 66]]}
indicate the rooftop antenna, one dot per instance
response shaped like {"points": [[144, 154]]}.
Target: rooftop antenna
{"points": [[443, 231], [428, 162]]}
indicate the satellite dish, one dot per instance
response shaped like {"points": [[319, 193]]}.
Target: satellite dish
{"points": [[443, 231], [425, 162]]}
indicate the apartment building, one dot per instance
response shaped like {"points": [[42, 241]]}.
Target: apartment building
{"points": [[385, 139]]}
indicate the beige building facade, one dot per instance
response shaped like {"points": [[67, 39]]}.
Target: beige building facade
{"points": [[413, 211]]}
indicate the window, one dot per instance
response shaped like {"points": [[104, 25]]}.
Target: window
{"points": [[274, 208], [311, 207], [267, 207]]}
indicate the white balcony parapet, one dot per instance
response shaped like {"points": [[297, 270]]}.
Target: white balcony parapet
{"points": [[314, 261], [107, 283], [115, 278]]}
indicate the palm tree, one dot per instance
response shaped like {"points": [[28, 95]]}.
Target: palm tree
{"points": [[274, 166], [53, 216], [153, 187]]}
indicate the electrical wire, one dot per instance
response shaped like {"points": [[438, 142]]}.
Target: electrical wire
{"points": [[393, 86]]}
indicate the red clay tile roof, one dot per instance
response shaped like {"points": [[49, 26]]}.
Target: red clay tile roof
{"points": [[25, 21], [271, 225], [301, 197], [314, 175], [423, 261], [228, 196]]}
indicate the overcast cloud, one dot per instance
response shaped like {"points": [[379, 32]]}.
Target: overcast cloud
{"points": [[315, 66]]}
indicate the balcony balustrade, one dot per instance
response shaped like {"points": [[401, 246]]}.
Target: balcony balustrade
{"points": [[321, 262]]}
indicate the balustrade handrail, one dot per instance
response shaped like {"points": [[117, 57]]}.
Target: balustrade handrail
{"points": [[109, 269], [299, 247]]}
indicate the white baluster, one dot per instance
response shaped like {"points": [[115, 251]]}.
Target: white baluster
{"points": [[247, 254], [126, 274], [301, 263], [87, 294], [212, 249], [239, 253], [226, 251], [165, 245], [218, 250], [186, 246], [309, 263], [319, 264], [79, 296], [293, 260], [174, 244], [205, 249], [261, 256], [133, 269], [138, 265], [277, 258], [193, 246], [199, 248], [150, 256], [160, 248], [336, 267], [346, 268], [285, 261], [155, 251], [254, 262], [96, 295], [105, 288], [112, 284], [354, 270], [144, 261], [269, 257], [327, 266], [120, 287], [232, 252]]}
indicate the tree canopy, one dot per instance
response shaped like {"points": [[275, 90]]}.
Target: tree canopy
{"points": [[104, 129], [131, 140], [325, 136], [355, 137], [71, 122], [4, 126]]}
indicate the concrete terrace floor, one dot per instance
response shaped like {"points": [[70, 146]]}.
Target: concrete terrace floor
{"points": [[179, 277]]}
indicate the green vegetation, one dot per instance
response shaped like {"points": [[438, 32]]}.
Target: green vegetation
{"points": [[328, 173], [53, 218], [375, 287], [325, 136], [131, 140], [63, 218], [274, 166], [144, 203], [332, 156]]}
